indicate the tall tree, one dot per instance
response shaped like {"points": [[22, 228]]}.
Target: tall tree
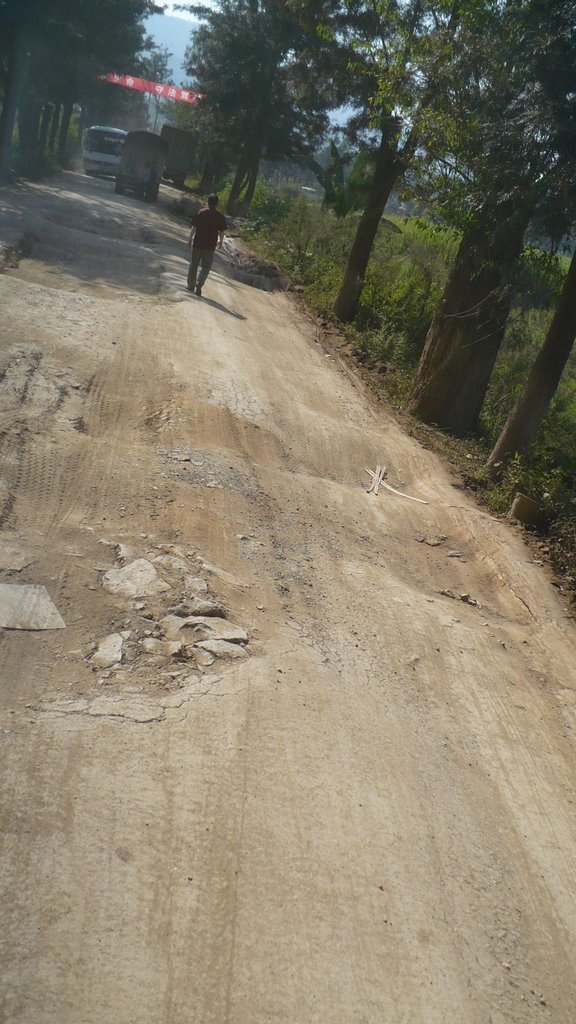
{"points": [[260, 63], [507, 102], [399, 45], [467, 329], [14, 55], [524, 422]]}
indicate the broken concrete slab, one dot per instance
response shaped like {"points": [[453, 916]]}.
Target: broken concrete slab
{"points": [[220, 629], [195, 585], [223, 649], [130, 709], [136, 708], [222, 574], [138, 579], [12, 554], [28, 607], [109, 651], [172, 562], [199, 627], [124, 553], [198, 606], [203, 658], [162, 648]]}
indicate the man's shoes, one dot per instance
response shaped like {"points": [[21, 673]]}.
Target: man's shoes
{"points": [[198, 290]]}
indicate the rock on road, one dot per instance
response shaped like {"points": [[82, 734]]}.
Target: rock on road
{"points": [[271, 770]]}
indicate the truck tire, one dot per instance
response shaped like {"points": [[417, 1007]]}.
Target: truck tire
{"points": [[119, 189]]}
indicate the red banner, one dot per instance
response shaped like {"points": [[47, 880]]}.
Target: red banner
{"points": [[165, 92]]}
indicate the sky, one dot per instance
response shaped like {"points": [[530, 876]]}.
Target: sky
{"points": [[172, 31]]}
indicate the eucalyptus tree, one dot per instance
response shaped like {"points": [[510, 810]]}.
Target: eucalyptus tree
{"points": [[266, 72], [524, 422], [399, 47], [505, 109]]}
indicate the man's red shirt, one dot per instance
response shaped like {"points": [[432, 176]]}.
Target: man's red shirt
{"points": [[208, 224]]}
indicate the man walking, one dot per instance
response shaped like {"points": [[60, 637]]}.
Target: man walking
{"points": [[208, 227]]}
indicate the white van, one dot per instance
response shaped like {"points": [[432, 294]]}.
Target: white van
{"points": [[102, 150]]}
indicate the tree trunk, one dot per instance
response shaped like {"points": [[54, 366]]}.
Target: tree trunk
{"points": [[467, 330], [237, 184], [523, 423], [15, 69], [63, 133], [44, 126], [54, 127], [252, 177], [210, 175], [388, 169], [29, 112]]}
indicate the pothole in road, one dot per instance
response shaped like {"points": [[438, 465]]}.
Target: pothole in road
{"points": [[202, 470], [176, 625]]}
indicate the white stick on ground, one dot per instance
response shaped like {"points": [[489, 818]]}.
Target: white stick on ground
{"points": [[378, 480]]}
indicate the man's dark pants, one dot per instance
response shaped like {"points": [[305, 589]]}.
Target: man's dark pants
{"points": [[203, 258]]}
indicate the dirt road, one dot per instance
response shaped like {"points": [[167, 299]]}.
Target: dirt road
{"points": [[366, 816]]}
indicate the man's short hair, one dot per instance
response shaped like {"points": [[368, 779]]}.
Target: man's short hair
{"points": [[213, 200]]}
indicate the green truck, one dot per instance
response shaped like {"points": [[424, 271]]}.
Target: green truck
{"points": [[141, 165], [181, 154]]}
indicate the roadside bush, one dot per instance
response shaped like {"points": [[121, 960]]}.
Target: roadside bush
{"points": [[403, 285], [310, 243], [539, 279], [268, 207], [404, 280]]}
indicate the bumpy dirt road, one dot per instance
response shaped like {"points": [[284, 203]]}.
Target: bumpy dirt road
{"points": [[368, 814]]}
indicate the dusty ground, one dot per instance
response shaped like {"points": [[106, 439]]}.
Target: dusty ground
{"points": [[368, 816]]}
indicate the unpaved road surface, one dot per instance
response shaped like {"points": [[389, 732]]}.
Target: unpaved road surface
{"points": [[365, 817]]}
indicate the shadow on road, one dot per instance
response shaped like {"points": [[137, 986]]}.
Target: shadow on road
{"points": [[231, 312], [79, 235]]}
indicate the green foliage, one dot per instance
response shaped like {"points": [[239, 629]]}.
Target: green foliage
{"points": [[403, 284], [268, 207], [343, 192], [404, 280], [299, 239], [540, 278], [537, 291], [525, 331]]}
